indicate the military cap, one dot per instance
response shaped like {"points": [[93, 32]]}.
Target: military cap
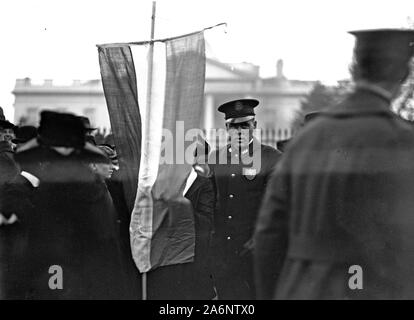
{"points": [[238, 111], [384, 50], [395, 43]]}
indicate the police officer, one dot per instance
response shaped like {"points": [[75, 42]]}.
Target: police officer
{"points": [[344, 189], [240, 173]]}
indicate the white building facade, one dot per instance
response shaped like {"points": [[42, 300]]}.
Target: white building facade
{"points": [[279, 97]]}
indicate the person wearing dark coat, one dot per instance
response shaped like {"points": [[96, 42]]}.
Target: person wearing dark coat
{"points": [[71, 225], [8, 167], [199, 190], [17, 204], [10, 233], [337, 219], [113, 179], [240, 173], [191, 281]]}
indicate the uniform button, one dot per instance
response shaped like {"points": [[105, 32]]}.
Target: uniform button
{"points": [[228, 238], [230, 217], [233, 175], [231, 196]]}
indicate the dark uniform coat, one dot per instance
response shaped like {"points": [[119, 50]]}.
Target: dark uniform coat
{"points": [[240, 188], [342, 195], [190, 281]]}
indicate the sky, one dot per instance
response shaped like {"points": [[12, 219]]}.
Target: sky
{"points": [[56, 39]]}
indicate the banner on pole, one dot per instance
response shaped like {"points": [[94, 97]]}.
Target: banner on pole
{"points": [[142, 108]]}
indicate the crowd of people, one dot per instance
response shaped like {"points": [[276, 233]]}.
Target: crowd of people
{"points": [[268, 225], [56, 209]]}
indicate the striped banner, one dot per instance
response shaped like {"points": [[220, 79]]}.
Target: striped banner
{"points": [[170, 95], [120, 89]]}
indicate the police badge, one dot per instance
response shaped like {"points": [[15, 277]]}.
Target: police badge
{"points": [[238, 106], [249, 173]]}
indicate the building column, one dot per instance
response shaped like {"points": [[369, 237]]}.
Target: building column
{"points": [[209, 112], [208, 115]]}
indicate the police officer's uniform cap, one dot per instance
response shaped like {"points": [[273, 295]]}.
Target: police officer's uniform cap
{"points": [[238, 111]]}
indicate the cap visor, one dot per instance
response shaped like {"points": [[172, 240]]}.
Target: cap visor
{"points": [[239, 120]]}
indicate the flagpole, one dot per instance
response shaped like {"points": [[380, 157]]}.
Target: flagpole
{"points": [[149, 95]]}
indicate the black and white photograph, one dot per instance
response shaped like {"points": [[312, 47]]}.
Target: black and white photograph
{"points": [[208, 153]]}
